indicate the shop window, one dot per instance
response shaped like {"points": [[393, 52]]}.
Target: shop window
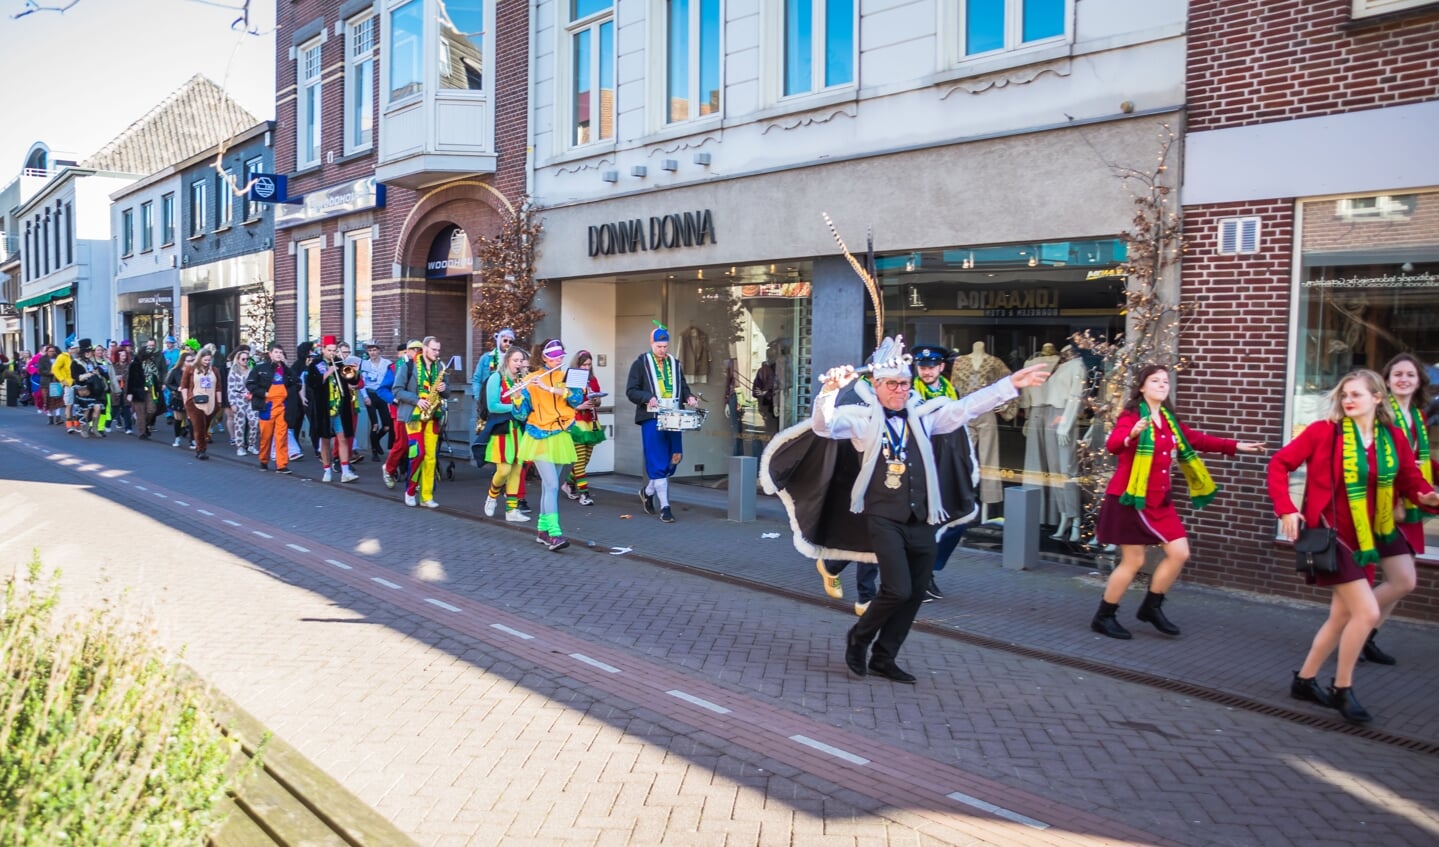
{"points": [[591, 36], [359, 287], [307, 105], [692, 58], [307, 287], [359, 83], [147, 226], [461, 26], [818, 43], [1238, 235], [1368, 290], [167, 219], [994, 26], [127, 232], [405, 59]]}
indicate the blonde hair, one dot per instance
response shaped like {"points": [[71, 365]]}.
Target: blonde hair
{"points": [[1372, 381]]}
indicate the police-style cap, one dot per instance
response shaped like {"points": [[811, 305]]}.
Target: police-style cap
{"points": [[930, 354]]}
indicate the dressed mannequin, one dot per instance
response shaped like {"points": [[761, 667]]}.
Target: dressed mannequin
{"points": [[1069, 375], [969, 374], [1041, 439]]}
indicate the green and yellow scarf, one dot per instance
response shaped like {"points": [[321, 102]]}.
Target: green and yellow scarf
{"points": [[1202, 487], [941, 388], [1418, 435], [1356, 488]]}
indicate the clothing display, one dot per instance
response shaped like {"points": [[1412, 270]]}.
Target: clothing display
{"points": [[969, 374], [695, 353], [1067, 391], [1042, 465]]}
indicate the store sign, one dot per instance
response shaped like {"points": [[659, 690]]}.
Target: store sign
{"points": [[342, 199], [146, 302], [661, 232], [1015, 303], [270, 188], [449, 254]]}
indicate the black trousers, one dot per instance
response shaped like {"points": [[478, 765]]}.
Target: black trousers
{"points": [[380, 423], [906, 561]]}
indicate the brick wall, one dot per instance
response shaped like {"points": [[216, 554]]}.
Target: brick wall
{"points": [[1237, 355], [1257, 61]]}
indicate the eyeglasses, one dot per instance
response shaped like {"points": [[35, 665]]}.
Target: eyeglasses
{"points": [[892, 384]]}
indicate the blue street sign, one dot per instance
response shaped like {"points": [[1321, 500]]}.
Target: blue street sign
{"points": [[269, 188]]}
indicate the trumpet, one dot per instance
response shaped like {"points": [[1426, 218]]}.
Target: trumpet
{"points": [[433, 396], [528, 381]]}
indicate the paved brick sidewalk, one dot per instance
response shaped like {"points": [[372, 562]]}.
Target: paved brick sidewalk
{"points": [[456, 739]]}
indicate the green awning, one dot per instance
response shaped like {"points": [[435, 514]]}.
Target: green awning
{"points": [[42, 299]]}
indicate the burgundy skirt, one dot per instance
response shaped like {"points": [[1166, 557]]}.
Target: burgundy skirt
{"points": [[1350, 570], [1121, 524]]}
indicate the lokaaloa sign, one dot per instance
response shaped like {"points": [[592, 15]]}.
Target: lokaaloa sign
{"points": [[661, 232]]}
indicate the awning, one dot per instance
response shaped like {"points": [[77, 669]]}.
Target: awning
{"points": [[42, 299]]}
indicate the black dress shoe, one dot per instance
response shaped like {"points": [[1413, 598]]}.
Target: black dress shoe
{"points": [[1105, 622], [889, 670], [1151, 611], [854, 653], [1348, 705], [1371, 652], [1310, 690]]}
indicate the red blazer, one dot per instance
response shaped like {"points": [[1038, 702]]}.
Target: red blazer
{"points": [[1159, 471], [1318, 449]]}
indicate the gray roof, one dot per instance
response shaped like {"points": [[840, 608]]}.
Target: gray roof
{"points": [[196, 116]]}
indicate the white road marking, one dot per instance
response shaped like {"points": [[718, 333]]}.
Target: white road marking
{"points": [[833, 751], [181, 503], [515, 632], [341, 565], [123, 481], [384, 582], [158, 494], [596, 663], [139, 487], [442, 604], [297, 548], [997, 811], [205, 513], [259, 533], [230, 522], [702, 703]]}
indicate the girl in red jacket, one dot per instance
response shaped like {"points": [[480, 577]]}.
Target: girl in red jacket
{"points": [[1137, 509], [1355, 461]]}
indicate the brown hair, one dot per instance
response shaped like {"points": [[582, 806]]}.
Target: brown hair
{"points": [[1136, 390], [1422, 393]]}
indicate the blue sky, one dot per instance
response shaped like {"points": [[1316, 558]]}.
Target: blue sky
{"points": [[78, 79]]}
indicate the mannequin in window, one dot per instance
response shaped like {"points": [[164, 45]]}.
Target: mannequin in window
{"points": [[695, 354], [1069, 390], [970, 373], [1041, 438], [766, 392]]}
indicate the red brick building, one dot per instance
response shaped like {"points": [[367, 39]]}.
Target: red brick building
{"points": [[401, 125], [1311, 213]]}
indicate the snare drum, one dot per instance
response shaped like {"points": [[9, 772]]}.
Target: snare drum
{"points": [[680, 420]]}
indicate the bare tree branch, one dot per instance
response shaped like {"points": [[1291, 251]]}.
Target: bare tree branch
{"points": [[31, 7]]}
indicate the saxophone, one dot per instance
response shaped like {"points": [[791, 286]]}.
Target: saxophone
{"points": [[436, 402]]}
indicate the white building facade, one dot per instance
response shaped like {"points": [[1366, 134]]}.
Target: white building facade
{"points": [[145, 220]]}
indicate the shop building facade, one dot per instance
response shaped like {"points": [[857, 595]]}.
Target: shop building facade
{"points": [[685, 155], [145, 220], [1311, 210]]}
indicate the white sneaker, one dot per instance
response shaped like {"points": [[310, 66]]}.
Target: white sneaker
{"points": [[430, 504], [129, 432], [490, 504], [410, 500], [349, 476], [239, 451], [516, 516], [254, 451], [328, 477], [176, 444]]}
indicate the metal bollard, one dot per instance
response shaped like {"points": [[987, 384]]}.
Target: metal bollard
{"points": [[743, 471], [1021, 526]]}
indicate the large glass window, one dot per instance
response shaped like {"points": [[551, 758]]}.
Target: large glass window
{"points": [[462, 43], [987, 26], [127, 232], [1368, 290], [147, 225], [225, 198], [692, 58], [592, 56], [407, 26], [307, 283], [359, 82], [167, 219], [308, 106], [359, 287], [818, 44]]}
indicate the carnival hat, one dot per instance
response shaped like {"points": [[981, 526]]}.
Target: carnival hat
{"points": [[505, 333], [85, 345], [930, 354], [554, 349], [888, 360]]}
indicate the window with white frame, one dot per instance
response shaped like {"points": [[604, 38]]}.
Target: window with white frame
{"points": [[692, 48], [307, 288], [127, 232], [1370, 8], [995, 26], [591, 48], [307, 105], [360, 35], [147, 226], [406, 54], [817, 39], [249, 208], [199, 207], [167, 219], [359, 287], [224, 198]]}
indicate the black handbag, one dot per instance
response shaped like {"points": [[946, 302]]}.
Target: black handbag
{"points": [[200, 399], [1314, 548]]}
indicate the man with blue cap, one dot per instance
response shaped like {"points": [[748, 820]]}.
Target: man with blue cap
{"points": [[656, 380]]}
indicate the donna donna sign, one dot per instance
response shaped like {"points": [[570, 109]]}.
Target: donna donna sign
{"points": [[661, 232]]}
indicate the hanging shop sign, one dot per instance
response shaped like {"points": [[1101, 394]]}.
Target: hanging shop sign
{"points": [[340, 199], [270, 188], [660, 232], [1014, 303], [449, 254]]}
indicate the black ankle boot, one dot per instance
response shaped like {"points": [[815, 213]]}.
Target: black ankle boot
{"points": [[1309, 690], [1372, 653], [1105, 622], [1348, 705], [1152, 611]]}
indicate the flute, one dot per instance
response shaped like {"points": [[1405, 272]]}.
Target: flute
{"points": [[528, 381]]}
